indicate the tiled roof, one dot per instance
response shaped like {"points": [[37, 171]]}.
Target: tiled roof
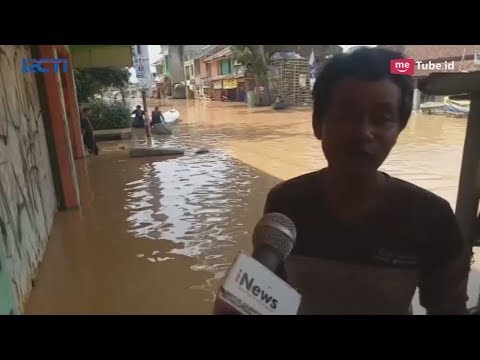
{"points": [[436, 52], [160, 61], [222, 53], [228, 76]]}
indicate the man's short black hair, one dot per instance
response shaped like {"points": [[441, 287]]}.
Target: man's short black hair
{"points": [[138, 106], [366, 64]]}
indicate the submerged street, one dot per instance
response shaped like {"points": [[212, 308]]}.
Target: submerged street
{"points": [[156, 235]]}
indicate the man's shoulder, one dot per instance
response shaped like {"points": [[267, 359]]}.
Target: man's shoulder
{"points": [[417, 196], [300, 185]]}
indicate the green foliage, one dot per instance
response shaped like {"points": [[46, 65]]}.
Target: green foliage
{"points": [[255, 59], [242, 54], [92, 81], [109, 116], [250, 56]]}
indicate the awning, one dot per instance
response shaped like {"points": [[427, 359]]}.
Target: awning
{"points": [[90, 56], [220, 54]]}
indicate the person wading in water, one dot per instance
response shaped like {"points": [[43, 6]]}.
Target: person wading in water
{"points": [[87, 131], [139, 120], [157, 117]]}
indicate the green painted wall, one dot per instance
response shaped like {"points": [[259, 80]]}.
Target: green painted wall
{"points": [[159, 69], [6, 292], [226, 66], [88, 56], [167, 65]]}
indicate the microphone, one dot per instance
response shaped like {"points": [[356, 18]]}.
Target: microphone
{"points": [[273, 240], [476, 309], [251, 286]]}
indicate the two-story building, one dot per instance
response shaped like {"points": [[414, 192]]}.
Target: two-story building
{"points": [[222, 78], [192, 57], [169, 68]]}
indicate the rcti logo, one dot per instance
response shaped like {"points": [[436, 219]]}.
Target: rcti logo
{"points": [[35, 66], [402, 66]]}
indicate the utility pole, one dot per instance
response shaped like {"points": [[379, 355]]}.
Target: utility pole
{"points": [[144, 76], [147, 120]]}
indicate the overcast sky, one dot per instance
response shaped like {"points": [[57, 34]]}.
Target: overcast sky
{"points": [[346, 47]]}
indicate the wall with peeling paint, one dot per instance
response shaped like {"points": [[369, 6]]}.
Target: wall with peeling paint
{"points": [[27, 195]]}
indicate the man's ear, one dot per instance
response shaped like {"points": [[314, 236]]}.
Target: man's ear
{"points": [[317, 127]]}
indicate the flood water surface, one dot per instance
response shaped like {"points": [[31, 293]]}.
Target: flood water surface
{"points": [[156, 235]]}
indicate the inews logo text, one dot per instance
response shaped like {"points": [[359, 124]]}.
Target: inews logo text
{"points": [[247, 284], [408, 66]]}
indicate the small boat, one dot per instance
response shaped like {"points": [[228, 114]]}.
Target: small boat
{"points": [[161, 129], [456, 106], [171, 116], [279, 105], [450, 105], [432, 105]]}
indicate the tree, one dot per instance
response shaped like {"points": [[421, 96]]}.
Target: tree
{"points": [[93, 81], [255, 59]]}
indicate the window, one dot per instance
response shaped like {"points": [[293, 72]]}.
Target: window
{"points": [[225, 67], [197, 67], [209, 69]]}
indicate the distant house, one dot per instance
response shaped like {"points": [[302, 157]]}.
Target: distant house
{"points": [[169, 68], [193, 56], [221, 76], [438, 58], [320, 51]]}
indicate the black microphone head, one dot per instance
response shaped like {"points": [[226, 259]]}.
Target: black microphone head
{"points": [[276, 231]]}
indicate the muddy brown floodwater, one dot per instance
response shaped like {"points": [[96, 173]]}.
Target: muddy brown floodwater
{"points": [[156, 236]]}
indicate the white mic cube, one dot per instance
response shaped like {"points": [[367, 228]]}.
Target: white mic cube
{"points": [[252, 289]]}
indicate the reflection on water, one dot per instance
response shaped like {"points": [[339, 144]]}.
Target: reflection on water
{"points": [[199, 203], [157, 235]]}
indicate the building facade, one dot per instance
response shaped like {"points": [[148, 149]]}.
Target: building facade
{"points": [[222, 79], [40, 139]]}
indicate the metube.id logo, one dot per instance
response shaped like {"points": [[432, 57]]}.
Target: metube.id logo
{"points": [[402, 66], [408, 66]]}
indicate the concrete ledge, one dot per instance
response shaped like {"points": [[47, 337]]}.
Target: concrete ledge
{"points": [[113, 134], [155, 151]]}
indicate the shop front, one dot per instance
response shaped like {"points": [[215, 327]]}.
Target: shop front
{"points": [[217, 89]]}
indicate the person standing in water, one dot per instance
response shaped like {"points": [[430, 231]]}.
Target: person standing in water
{"points": [[157, 117], [87, 131], [139, 120]]}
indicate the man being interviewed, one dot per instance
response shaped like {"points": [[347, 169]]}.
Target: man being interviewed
{"points": [[366, 240]]}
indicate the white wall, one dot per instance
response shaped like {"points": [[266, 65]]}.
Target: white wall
{"points": [[27, 195]]}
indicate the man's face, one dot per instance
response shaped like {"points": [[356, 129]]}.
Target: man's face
{"points": [[361, 125]]}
